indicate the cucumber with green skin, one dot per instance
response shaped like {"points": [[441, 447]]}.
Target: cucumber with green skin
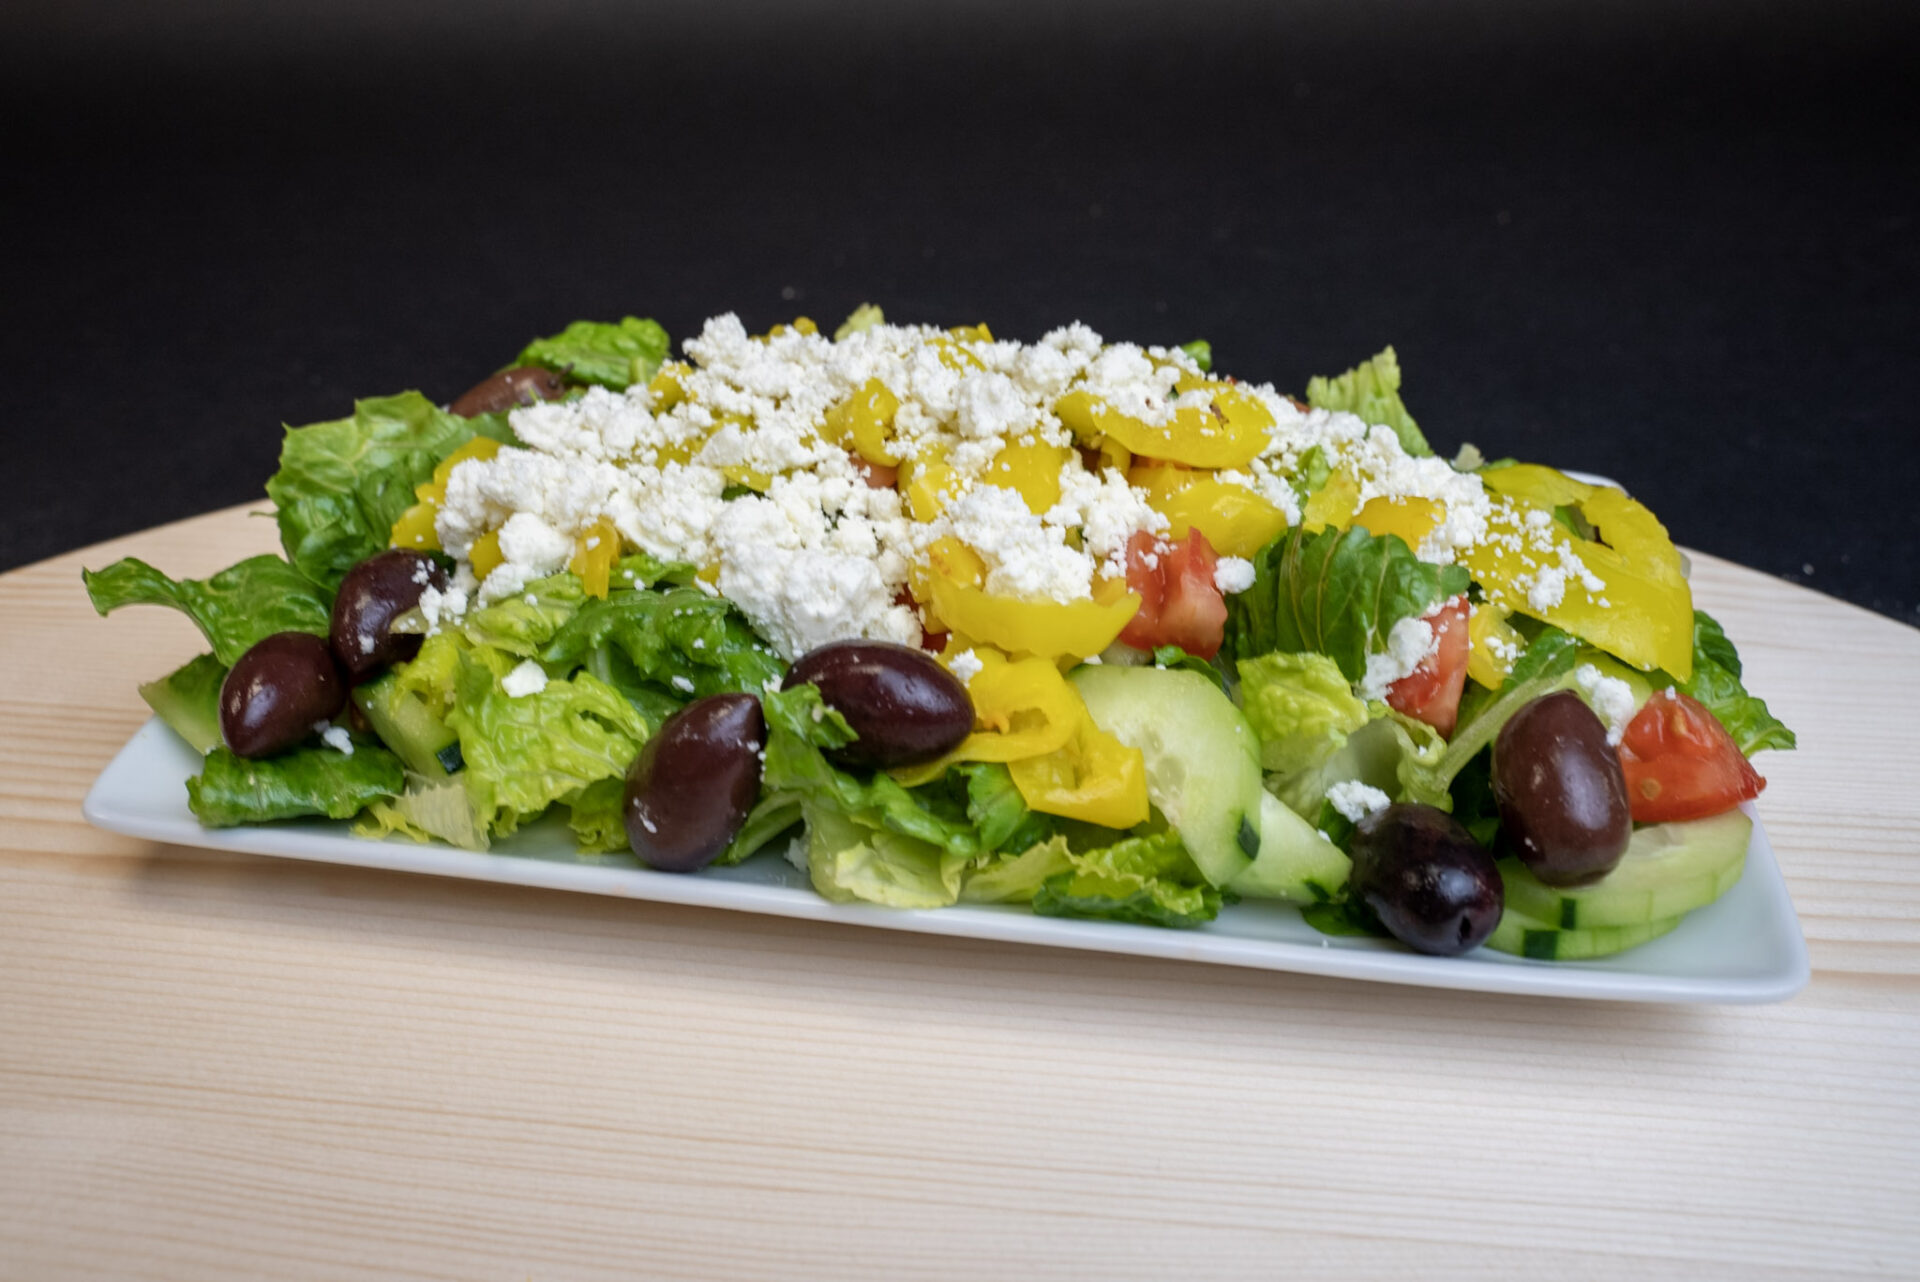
{"points": [[1525, 936], [407, 725], [1202, 758], [1296, 862], [1668, 871]]}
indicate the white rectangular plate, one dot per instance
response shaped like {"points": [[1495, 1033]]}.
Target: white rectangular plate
{"points": [[1745, 948]]}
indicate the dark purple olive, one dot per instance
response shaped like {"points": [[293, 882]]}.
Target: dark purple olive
{"points": [[509, 389], [1560, 790], [277, 692], [904, 707], [693, 783], [1430, 883], [376, 592]]}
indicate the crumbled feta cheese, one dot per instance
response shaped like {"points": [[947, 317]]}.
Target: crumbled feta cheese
{"points": [[528, 678], [1610, 697], [966, 666], [336, 737], [680, 683], [1408, 644], [1356, 800], [1233, 574]]}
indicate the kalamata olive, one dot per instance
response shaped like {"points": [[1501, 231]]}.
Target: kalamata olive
{"points": [[522, 385], [277, 692], [693, 783], [372, 595], [904, 707], [1430, 883], [1560, 791]]}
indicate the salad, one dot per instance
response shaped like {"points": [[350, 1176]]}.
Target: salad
{"points": [[943, 618]]}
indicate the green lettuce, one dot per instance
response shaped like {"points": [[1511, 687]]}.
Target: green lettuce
{"points": [[1301, 706], [1392, 752], [342, 484], [1200, 351], [188, 700], [611, 354], [681, 633], [523, 754], [428, 809], [597, 814], [232, 790], [1542, 668], [235, 608], [1151, 880], [1015, 878], [864, 317], [524, 623], [1371, 391], [1337, 593], [1172, 656], [998, 812], [850, 861], [1716, 683]]}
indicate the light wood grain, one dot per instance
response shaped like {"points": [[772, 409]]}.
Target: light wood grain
{"points": [[230, 1067]]}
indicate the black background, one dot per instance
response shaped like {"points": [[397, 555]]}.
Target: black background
{"points": [[1678, 248]]}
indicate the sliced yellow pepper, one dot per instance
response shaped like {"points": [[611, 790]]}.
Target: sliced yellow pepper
{"points": [[866, 419], [594, 553], [1543, 485], [415, 528], [1031, 468], [1093, 777], [485, 555], [1021, 708], [1413, 519], [669, 386], [1642, 610], [928, 484], [1495, 644], [1049, 629], [1235, 520], [1333, 504], [1228, 433]]}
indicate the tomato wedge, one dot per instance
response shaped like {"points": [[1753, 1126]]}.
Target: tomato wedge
{"points": [[1431, 692], [1179, 602], [1681, 763]]}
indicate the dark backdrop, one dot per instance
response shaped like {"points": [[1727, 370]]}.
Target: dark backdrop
{"points": [[1675, 247]]}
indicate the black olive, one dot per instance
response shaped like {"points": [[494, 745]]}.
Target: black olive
{"points": [[1560, 790], [509, 389], [1431, 884], [277, 692], [694, 781], [372, 595]]}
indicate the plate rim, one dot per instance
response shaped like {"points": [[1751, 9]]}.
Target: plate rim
{"points": [[108, 805]]}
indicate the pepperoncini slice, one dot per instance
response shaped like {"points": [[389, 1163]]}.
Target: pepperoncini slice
{"points": [[485, 555], [1235, 520], [1228, 432], [1413, 519], [594, 553], [1625, 594], [668, 386], [1333, 504], [1030, 467], [1494, 645], [415, 528], [1093, 777], [1049, 629], [1021, 708], [1543, 485], [866, 418], [928, 485]]}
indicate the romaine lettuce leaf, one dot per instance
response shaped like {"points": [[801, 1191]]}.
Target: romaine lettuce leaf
{"points": [[1371, 390], [849, 860], [1337, 593], [1716, 683], [523, 624], [597, 815], [232, 790], [342, 484], [240, 605], [523, 754], [998, 812], [864, 317], [428, 809], [1392, 752], [1301, 706], [612, 354], [188, 700], [1151, 880], [1200, 351], [680, 633], [1016, 878]]}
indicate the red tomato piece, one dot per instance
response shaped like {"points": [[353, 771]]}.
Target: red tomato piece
{"points": [[1681, 763], [1431, 692], [1179, 602]]}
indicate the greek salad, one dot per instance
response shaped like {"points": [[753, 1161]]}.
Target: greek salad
{"points": [[1077, 624]]}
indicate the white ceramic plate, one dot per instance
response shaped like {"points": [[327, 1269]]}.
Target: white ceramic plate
{"points": [[1745, 948]]}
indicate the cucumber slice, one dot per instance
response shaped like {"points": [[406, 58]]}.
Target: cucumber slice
{"points": [[1524, 936], [1669, 870], [408, 726], [1296, 861], [1203, 760]]}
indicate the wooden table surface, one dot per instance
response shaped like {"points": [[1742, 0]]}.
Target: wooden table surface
{"points": [[219, 1066]]}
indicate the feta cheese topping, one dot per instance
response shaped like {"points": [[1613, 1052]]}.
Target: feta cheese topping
{"points": [[528, 678], [1408, 645], [733, 464], [1610, 697], [1356, 800]]}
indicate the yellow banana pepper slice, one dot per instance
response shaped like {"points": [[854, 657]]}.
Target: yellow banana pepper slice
{"points": [[1049, 629], [594, 553], [1093, 777], [866, 418], [1230, 432], [1031, 468], [1413, 519], [415, 528], [1021, 708]]}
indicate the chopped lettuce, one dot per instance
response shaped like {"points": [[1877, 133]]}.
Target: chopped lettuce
{"points": [[998, 812], [849, 860], [232, 790], [428, 809], [1150, 879], [597, 815], [864, 317], [523, 754], [1716, 683], [1200, 351], [1392, 752], [1015, 878], [1301, 706], [611, 354], [342, 484], [1371, 390], [1337, 593], [524, 623], [235, 608], [188, 700], [680, 639]]}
